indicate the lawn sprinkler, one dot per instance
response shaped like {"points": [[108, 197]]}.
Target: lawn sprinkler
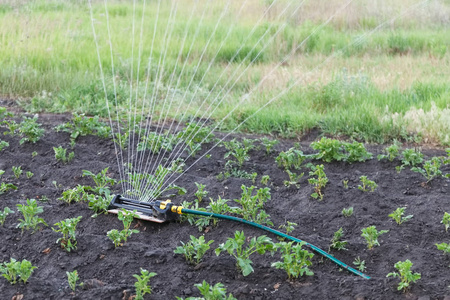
{"points": [[163, 211]]}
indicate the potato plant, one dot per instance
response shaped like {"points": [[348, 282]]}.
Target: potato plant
{"points": [[80, 125], [296, 261], [120, 237], [391, 152], [211, 292], [446, 220], [5, 187], [61, 155], [371, 234], [3, 145], [292, 158], [319, 182], [398, 217], [329, 149], [444, 247], [336, 241], [406, 275], [252, 206], [194, 250], [200, 193], [13, 269], [3, 214], [269, 144], [30, 219], [67, 227], [237, 248], [360, 264], [430, 169], [72, 278], [142, 284], [347, 212], [367, 184], [238, 151], [17, 171]]}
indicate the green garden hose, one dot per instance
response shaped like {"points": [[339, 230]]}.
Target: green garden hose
{"points": [[181, 210]]}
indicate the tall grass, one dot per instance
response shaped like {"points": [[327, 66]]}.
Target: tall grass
{"points": [[48, 59]]}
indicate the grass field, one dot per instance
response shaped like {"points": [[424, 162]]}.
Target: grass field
{"points": [[377, 71]]}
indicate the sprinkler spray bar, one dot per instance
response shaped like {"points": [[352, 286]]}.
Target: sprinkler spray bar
{"points": [[162, 211]]}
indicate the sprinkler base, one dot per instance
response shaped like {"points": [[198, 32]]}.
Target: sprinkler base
{"points": [[153, 212]]}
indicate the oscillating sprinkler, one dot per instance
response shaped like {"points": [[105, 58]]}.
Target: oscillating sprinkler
{"points": [[162, 211]]}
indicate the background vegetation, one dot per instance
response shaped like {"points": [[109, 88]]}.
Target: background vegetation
{"points": [[377, 71]]}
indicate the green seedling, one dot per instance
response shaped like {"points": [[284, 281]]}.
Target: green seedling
{"points": [[406, 275], [236, 247], [360, 264], [30, 219], [347, 212], [61, 154], [336, 242], [294, 179], [10, 270], [194, 135], [367, 184], [238, 151], [3, 145], [200, 193], [98, 204], [120, 237], [17, 171], [319, 182], [269, 144], [72, 278], [30, 130], [431, 169], [252, 207], [142, 284], [194, 250], [156, 142], [356, 152], [296, 261], [446, 220], [209, 292], [345, 184], [288, 227], [293, 158], [1, 173], [371, 235], [392, 152], [219, 206], [67, 227], [444, 247], [75, 194], [329, 150], [3, 214], [398, 217], [265, 179], [122, 139], [29, 174], [34, 154], [5, 187]]}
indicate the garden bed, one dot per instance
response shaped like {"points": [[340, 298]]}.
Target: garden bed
{"points": [[107, 272]]}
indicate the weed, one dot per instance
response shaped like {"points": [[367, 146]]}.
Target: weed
{"points": [[200, 193], [265, 179], [3, 145], [142, 284], [5, 187], [29, 174], [252, 206], [336, 242], [3, 214], [371, 235], [10, 270], [431, 169], [296, 261], [67, 227], [360, 264], [236, 248], [269, 144], [392, 152], [194, 250], [61, 154], [30, 219], [367, 184], [347, 212], [209, 292], [72, 278], [398, 217], [319, 182], [17, 171], [446, 220], [405, 274], [444, 247]]}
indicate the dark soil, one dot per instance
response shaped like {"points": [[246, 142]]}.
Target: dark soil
{"points": [[108, 272]]}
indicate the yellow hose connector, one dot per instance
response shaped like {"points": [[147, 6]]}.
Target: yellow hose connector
{"points": [[177, 209]]}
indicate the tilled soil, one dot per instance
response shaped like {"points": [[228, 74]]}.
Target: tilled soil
{"points": [[107, 272]]}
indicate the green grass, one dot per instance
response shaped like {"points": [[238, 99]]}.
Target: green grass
{"points": [[49, 61]]}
